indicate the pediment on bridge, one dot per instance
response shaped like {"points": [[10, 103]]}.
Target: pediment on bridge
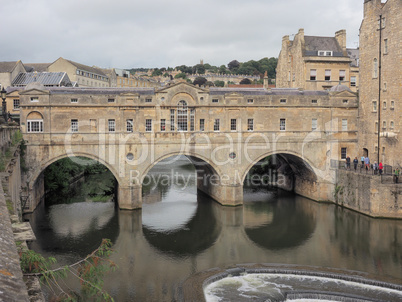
{"points": [[130, 95], [183, 86], [233, 95], [344, 94], [34, 91]]}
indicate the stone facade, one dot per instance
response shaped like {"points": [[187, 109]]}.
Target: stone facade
{"points": [[223, 131], [84, 76], [315, 63], [380, 82]]}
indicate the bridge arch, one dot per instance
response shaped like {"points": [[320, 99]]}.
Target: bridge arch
{"points": [[37, 172]]}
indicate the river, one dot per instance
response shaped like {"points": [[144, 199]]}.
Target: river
{"points": [[179, 233]]}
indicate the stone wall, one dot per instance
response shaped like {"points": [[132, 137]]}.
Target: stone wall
{"points": [[366, 194], [11, 284]]}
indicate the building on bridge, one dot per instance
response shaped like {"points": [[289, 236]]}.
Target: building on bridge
{"points": [[223, 131]]}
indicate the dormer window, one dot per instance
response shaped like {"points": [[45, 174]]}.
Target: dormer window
{"points": [[325, 53]]}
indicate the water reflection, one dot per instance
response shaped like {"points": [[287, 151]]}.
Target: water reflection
{"points": [[179, 233], [278, 222]]}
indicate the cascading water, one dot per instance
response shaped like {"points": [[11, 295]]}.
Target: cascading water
{"points": [[295, 285]]}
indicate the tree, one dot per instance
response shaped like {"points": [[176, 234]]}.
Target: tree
{"points": [[198, 69], [181, 75], [157, 72], [222, 69], [219, 83], [232, 65], [200, 81]]}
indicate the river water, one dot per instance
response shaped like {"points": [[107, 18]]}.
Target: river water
{"points": [[179, 233]]}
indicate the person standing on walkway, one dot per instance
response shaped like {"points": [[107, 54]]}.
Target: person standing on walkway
{"points": [[375, 167], [355, 163], [396, 175], [380, 167], [367, 163], [348, 162], [362, 159]]}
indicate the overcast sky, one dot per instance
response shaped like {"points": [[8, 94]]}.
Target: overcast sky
{"points": [[165, 33]]}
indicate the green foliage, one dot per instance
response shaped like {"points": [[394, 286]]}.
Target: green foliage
{"points": [[89, 271], [219, 83], [10, 207], [16, 138], [181, 75], [200, 81], [59, 174], [157, 72]]}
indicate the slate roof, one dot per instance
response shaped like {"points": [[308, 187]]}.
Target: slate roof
{"points": [[39, 67], [101, 91], [88, 68], [45, 78], [262, 91], [313, 44], [7, 66]]}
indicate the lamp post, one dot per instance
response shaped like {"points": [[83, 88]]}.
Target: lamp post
{"points": [[3, 93]]}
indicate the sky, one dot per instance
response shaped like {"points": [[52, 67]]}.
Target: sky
{"points": [[165, 33]]}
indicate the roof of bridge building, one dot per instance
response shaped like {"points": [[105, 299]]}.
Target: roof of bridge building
{"points": [[97, 90], [263, 91], [313, 44]]}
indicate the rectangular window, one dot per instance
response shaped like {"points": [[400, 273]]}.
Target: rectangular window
{"points": [[74, 100], [385, 46], [327, 74], [314, 124], [391, 124], [111, 125], [283, 101], [392, 105], [314, 101], [250, 124], [35, 126], [34, 99], [250, 101], [233, 124], [313, 74], [374, 105], [148, 100], [148, 125], [343, 153], [192, 119], [171, 119], [74, 125], [110, 100], [384, 105], [342, 74], [384, 125], [344, 125], [215, 100], [16, 104], [376, 127], [345, 101], [163, 125], [353, 81], [216, 125], [129, 125], [202, 124], [282, 124]]}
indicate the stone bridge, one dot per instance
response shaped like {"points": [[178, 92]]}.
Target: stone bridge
{"points": [[223, 131]]}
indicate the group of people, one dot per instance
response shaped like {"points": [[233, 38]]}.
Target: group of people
{"points": [[377, 168]]}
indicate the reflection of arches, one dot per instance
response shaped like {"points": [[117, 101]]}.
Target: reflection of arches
{"points": [[37, 172], [193, 238], [291, 225]]}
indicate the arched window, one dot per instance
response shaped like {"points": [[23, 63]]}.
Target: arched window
{"points": [[182, 114], [375, 68], [34, 122]]}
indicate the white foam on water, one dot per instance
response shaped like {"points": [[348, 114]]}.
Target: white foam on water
{"points": [[265, 285]]}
